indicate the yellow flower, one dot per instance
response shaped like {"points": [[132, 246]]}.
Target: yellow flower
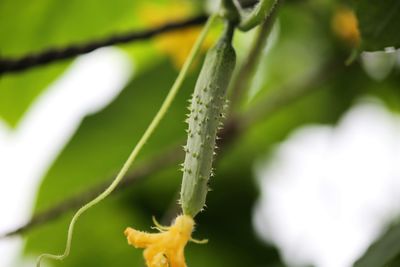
{"points": [[164, 249], [345, 26], [175, 44]]}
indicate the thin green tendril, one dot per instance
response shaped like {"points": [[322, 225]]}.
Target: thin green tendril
{"points": [[153, 125]]}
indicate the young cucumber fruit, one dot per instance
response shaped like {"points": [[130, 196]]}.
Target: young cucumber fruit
{"points": [[206, 109]]}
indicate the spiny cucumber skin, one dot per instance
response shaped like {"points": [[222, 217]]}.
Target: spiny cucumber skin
{"points": [[204, 120]]}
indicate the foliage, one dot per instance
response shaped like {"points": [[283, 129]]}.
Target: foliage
{"points": [[379, 23], [383, 251], [304, 44]]}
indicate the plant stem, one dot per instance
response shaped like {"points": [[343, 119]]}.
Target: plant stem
{"points": [[260, 12]]}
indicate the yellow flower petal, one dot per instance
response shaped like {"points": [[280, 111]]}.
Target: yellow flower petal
{"points": [[164, 249], [345, 26], [175, 44]]}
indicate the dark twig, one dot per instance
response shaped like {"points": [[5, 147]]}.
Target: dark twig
{"points": [[232, 130], [8, 65]]}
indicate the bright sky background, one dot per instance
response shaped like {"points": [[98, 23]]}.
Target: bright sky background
{"points": [[26, 152]]}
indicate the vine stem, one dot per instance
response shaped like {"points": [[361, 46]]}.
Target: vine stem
{"points": [[257, 15], [247, 70], [150, 129]]}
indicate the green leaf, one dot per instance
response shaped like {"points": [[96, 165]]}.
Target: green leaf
{"points": [[31, 26], [379, 23], [17, 91], [295, 50], [383, 250]]}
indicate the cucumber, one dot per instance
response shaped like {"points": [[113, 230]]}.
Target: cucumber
{"points": [[206, 109]]}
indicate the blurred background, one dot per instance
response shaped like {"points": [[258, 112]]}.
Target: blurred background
{"points": [[307, 173]]}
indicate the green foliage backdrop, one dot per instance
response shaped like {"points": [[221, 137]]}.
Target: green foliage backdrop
{"points": [[304, 46]]}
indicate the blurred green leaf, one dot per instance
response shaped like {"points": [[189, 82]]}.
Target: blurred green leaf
{"points": [[299, 47], [31, 26], [18, 91], [379, 23], [383, 250]]}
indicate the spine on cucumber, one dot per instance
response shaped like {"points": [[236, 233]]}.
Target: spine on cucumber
{"points": [[206, 108]]}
